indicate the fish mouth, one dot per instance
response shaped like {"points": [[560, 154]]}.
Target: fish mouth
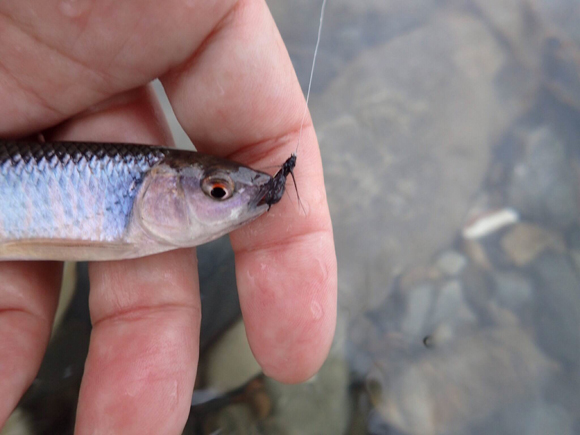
{"points": [[263, 200], [264, 196], [272, 192]]}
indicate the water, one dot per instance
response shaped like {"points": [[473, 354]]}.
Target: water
{"points": [[435, 118]]}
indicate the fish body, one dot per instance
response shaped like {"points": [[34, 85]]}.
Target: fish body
{"points": [[103, 201]]}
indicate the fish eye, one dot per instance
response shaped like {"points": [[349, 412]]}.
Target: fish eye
{"points": [[218, 188]]}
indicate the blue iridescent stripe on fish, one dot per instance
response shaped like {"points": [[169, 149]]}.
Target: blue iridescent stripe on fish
{"points": [[71, 190]]}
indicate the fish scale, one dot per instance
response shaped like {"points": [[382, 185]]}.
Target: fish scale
{"points": [[63, 190]]}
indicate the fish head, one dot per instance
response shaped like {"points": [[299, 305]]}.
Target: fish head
{"points": [[225, 196], [189, 204]]}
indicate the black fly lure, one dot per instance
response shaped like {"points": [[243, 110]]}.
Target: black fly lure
{"points": [[275, 187]]}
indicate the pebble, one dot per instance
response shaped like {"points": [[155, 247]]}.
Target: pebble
{"points": [[224, 373], [524, 242], [476, 253], [544, 185], [237, 418], [502, 317], [419, 302], [418, 275], [489, 222], [449, 302], [513, 290], [451, 263], [557, 311], [17, 424], [444, 333], [306, 408]]}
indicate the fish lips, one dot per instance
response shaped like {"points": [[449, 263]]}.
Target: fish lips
{"points": [[272, 192]]}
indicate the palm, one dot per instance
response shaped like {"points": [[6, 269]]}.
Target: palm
{"points": [[232, 87]]}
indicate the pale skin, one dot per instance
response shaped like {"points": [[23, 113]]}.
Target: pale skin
{"points": [[78, 70]]}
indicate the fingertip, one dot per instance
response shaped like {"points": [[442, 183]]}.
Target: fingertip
{"points": [[298, 367], [288, 299]]}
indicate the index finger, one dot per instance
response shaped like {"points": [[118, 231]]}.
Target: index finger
{"points": [[239, 97]]}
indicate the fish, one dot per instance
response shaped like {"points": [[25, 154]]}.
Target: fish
{"points": [[91, 201], [94, 201]]}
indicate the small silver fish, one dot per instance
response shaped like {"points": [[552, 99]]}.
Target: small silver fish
{"points": [[81, 201]]}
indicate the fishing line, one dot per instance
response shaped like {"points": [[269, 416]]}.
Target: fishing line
{"points": [[311, 73], [279, 180]]}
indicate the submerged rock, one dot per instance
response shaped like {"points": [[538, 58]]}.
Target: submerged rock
{"points": [[409, 138], [455, 386], [451, 262], [319, 406], [419, 303], [558, 308], [544, 186], [524, 242], [513, 290]]}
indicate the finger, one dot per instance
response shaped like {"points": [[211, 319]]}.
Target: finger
{"points": [[134, 116], [142, 359], [239, 97], [28, 299], [58, 57], [44, 78]]}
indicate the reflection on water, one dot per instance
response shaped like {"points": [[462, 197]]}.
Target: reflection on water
{"points": [[449, 132]]}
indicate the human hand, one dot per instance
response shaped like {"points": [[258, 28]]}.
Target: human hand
{"points": [[83, 66]]}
